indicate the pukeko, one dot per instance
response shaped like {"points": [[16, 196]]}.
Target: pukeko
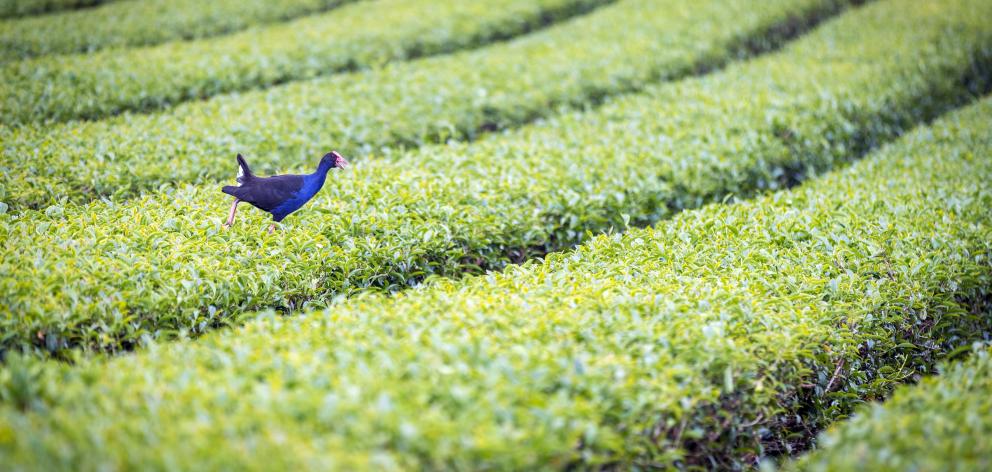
{"points": [[279, 195]]}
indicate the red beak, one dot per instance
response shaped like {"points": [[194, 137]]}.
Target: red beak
{"points": [[339, 160]]}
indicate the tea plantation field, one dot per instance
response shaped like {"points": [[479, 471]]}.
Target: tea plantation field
{"points": [[575, 234]]}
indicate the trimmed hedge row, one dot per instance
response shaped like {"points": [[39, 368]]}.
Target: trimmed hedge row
{"points": [[357, 36], [15, 8], [137, 23], [719, 337], [104, 275], [942, 424], [403, 104]]}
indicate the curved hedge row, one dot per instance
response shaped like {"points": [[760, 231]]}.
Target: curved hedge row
{"points": [[722, 336], [403, 104], [106, 274], [137, 23], [944, 423], [357, 36], [15, 8]]}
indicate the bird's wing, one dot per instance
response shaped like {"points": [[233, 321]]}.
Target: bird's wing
{"points": [[268, 193]]}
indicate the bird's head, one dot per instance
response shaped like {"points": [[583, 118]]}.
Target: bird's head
{"points": [[333, 159]]}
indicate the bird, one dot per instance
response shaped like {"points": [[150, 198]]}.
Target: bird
{"points": [[279, 195]]}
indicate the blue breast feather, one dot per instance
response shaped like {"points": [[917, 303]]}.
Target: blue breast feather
{"points": [[311, 185]]}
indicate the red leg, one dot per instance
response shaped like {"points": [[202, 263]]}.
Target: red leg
{"points": [[230, 216], [272, 228]]}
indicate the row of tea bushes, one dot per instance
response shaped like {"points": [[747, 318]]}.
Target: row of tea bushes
{"points": [[357, 36], [106, 274], [717, 338], [942, 424], [16, 8], [142, 22], [403, 104]]}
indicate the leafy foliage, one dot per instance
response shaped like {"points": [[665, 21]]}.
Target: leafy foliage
{"points": [[135, 23], [711, 340], [941, 424], [105, 275], [358, 36], [401, 105], [15, 8]]}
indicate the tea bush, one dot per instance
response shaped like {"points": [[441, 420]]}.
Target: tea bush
{"points": [[15, 8], [944, 423], [135, 23], [403, 104], [724, 335], [357, 36], [104, 275]]}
